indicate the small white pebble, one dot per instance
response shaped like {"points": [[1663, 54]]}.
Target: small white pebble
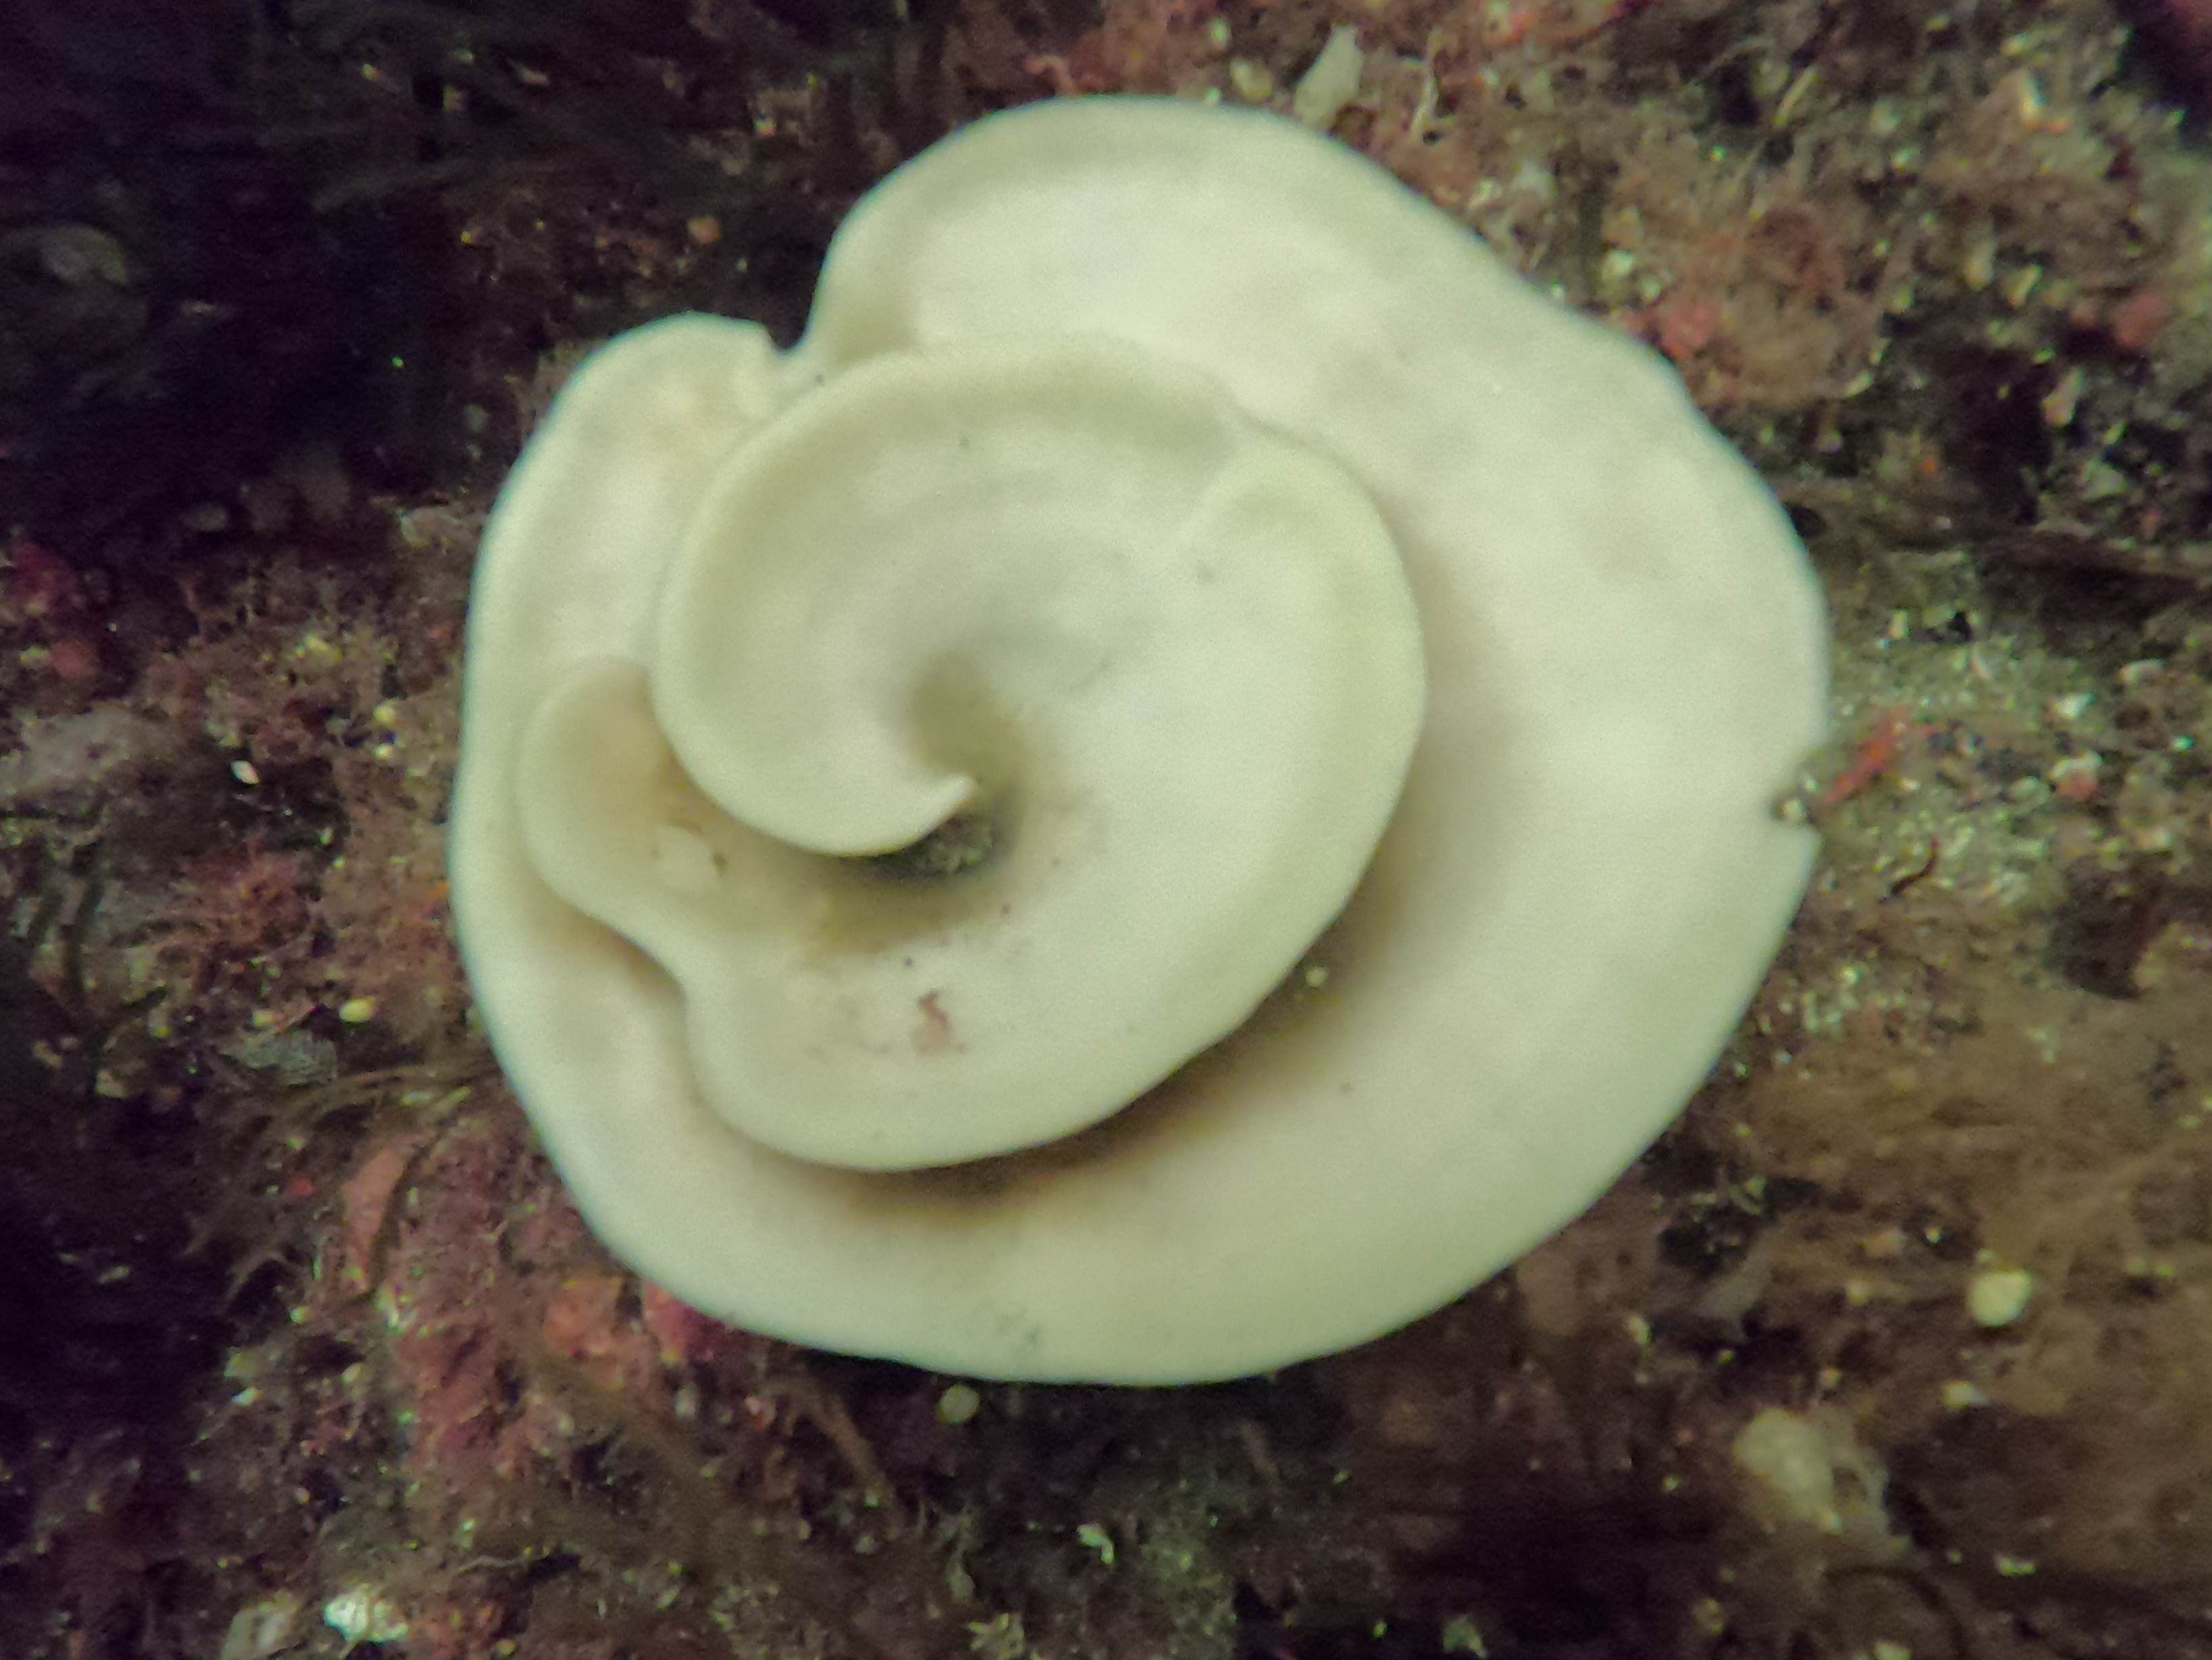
{"points": [[1250, 82], [1332, 82], [246, 773], [958, 1404], [1960, 1396], [357, 1011], [263, 1629], [363, 1614], [1998, 1297]]}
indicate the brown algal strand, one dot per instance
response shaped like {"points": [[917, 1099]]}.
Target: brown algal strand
{"points": [[301, 1348]]}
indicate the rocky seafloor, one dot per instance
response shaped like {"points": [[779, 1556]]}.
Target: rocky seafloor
{"points": [[1900, 1344]]}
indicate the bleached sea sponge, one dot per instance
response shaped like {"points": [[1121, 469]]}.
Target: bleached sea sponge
{"points": [[1321, 702]]}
